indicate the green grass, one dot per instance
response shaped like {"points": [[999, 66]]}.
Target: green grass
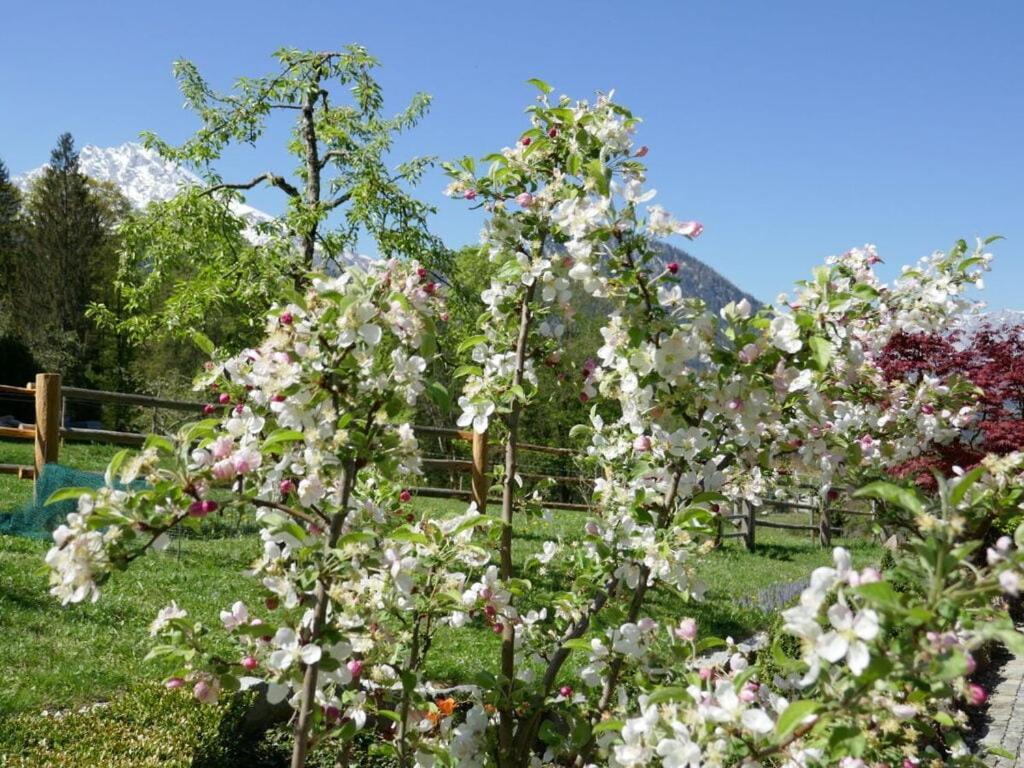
{"points": [[61, 658]]}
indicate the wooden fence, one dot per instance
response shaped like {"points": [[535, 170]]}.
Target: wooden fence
{"points": [[48, 431], [742, 521]]}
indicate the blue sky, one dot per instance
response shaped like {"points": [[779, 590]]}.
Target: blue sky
{"points": [[793, 130]]}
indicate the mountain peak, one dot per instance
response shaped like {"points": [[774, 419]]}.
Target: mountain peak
{"points": [[144, 177]]}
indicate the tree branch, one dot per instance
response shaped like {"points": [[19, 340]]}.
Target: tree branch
{"points": [[271, 178], [340, 200]]}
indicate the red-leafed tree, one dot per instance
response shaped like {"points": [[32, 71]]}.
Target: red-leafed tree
{"points": [[992, 358]]}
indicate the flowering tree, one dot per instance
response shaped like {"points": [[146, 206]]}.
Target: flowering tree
{"points": [[311, 441], [989, 357], [696, 410]]}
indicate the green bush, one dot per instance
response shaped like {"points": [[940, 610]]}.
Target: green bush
{"points": [[146, 726]]}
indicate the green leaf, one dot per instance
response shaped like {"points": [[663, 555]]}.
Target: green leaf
{"points": [[668, 693], [964, 485], [158, 442], [439, 394], [891, 493], [880, 593], [608, 725], [279, 436], [821, 351], [466, 370], [64, 494], [472, 341], [204, 343], [795, 714], [540, 85]]}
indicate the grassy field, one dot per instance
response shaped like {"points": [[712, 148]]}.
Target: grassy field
{"points": [[61, 658]]}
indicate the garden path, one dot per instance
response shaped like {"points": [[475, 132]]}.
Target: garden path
{"points": [[1006, 715]]}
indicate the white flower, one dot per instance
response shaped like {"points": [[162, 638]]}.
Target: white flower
{"points": [[236, 617], [847, 637], [165, 616], [289, 650], [784, 334], [475, 413]]}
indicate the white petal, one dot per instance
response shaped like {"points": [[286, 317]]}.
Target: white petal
{"points": [[310, 653], [832, 646], [865, 626], [757, 720], [858, 657], [276, 692], [840, 616]]}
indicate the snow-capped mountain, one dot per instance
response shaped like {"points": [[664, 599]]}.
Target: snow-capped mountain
{"points": [[145, 177]]}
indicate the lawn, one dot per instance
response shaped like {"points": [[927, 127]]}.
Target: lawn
{"points": [[62, 658]]}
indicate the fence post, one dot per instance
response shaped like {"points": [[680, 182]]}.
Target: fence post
{"points": [[751, 524], [824, 525], [480, 482], [48, 420]]}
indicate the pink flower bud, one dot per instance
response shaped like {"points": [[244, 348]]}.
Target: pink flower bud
{"points": [[687, 629], [642, 152], [444, 317], [972, 665], [286, 487], [278, 398], [174, 683], [250, 663], [870, 575], [271, 603], [287, 318], [553, 132], [224, 398], [749, 354], [527, 141], [355, 667], [332, 713], [498, 628], [747, 695], [565, 691], [405, 496], [490, 611], [201, 508], [706, 673], [584, 397], [421, 273], [430, 288], [642, 444], [209, 409], [205, 693], [976, 695], [690, 229], [672, 267], [470, 194], [524, 199], [239, 409], [927, 410]]}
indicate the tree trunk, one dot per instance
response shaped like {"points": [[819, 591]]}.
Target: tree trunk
{"points": [[308, 697], [309, 140], [506, 722]]}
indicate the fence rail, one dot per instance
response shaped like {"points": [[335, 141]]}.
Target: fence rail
{"points": [[48, 431]]}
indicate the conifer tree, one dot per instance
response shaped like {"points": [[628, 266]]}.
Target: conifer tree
{"points": [[69, 260]]}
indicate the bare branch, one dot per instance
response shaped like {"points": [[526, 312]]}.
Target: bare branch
{"points": [[340, 200], [334, 154], [271, 178]]}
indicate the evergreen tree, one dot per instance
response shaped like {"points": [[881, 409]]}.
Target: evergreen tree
{"points": [[69, 225], [10, 208], [17, 365]]}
